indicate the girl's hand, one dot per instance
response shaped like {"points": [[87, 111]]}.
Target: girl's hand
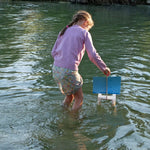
{"points": [[107, 71]]}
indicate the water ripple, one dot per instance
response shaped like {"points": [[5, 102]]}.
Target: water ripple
{"points": [[31, 116]]}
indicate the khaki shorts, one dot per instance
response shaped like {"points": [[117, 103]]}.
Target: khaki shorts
{"points": [[68, 81]]}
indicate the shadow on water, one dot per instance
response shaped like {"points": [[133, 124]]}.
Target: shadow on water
{"points": [[92, 128], [30, 103]]}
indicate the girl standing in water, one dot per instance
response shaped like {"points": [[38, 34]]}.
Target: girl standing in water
{"points": [[68, 52]]}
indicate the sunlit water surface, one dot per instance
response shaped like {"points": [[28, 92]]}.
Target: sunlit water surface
{"points": [[31, 116]]}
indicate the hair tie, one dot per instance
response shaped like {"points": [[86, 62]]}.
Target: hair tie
{"points": [[67, 26]]}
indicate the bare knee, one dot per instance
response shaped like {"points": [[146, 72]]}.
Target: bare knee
{"points": [[68, 99], [79, 95]]}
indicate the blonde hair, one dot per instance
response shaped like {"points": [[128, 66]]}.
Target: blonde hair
{"points": [[80, 15]]}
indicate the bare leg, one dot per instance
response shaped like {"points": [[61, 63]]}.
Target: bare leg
{"points": [[78, 100], [67, 101]]}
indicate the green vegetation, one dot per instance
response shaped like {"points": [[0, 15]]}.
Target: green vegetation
{"points": [[98, 2]]}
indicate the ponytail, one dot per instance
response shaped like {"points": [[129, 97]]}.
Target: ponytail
{"points": [[65, 28], [80, 15]]}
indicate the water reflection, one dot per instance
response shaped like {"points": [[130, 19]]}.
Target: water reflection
{"points": [[30, 102]]}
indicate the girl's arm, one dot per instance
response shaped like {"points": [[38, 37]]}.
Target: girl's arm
{"points": [[94, 56], [53, 52]]}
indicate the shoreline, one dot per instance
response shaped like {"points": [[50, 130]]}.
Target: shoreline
{"points": [[91, 2]]}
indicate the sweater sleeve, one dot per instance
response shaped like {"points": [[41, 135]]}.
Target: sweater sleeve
{"points": [[53, 52], [92, 54]]}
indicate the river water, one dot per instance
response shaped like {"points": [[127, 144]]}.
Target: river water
{"points": [[31, 116]]}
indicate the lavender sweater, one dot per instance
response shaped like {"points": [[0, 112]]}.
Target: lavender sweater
{"points": [[69, 49]]}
